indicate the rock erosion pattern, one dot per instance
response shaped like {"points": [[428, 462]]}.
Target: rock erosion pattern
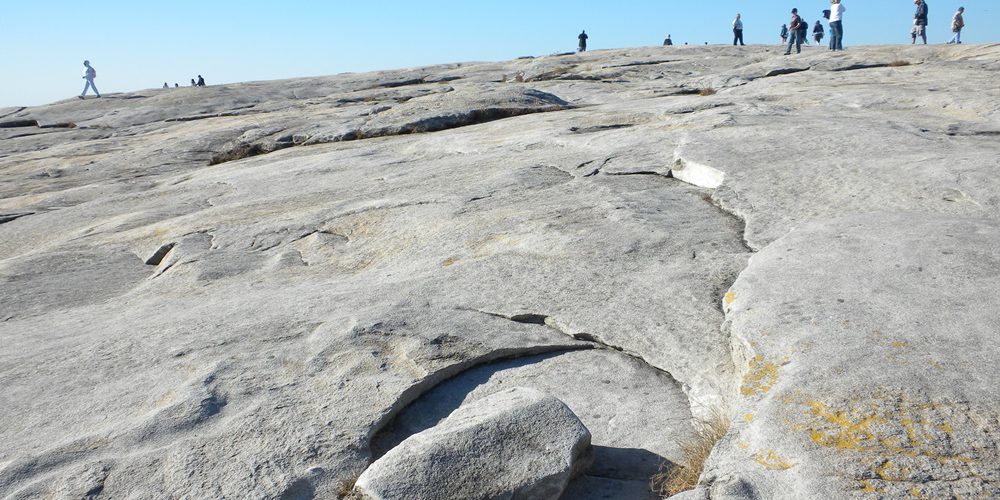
{"points": [[260, 289]]}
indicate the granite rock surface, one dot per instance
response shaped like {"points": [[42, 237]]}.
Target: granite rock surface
{"points": [[250, 289]]}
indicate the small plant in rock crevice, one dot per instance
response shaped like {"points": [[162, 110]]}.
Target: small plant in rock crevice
{"points": [[683, 476], [706, 92]]}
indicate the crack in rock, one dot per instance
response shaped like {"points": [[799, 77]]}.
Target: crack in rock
{"points": [[5, 218]]}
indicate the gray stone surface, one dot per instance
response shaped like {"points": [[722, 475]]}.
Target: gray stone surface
{"points": [[518, 443], [228, 291]]}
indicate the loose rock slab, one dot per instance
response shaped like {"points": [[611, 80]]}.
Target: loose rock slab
{"points": [[518, 444]]}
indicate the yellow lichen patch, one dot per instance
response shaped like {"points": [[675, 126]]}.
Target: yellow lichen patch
{"points": [[842, 432], [889, 471], [901, 344], [730, 298], [868, 487], [760, 378], [742, 445], [916, 494], [450, 261], [749, 417], [771, 461]]}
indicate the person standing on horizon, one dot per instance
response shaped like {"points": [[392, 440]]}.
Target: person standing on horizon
{"points": [[784, 33], [837, 10], [794, 29], [89, 75], [957, 23], [738, 30], [668, 41], [583, 41], [201, 81], [818, 32], [921, 17]]}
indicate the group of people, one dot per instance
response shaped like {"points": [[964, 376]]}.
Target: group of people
{"points": [[796, 33], [199, 83]]}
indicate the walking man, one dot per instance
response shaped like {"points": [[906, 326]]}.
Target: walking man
{"points": [[738, 31], [201, 81], [818, 32], [583, 41], [795, 28], [89, 75], [921, 17], [837, 10], [957, 23]]}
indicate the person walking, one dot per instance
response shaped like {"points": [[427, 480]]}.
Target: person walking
{"points": [[201, 81], [738, 30], [818, 32], [837, 10], [793, 33], [921, 17], [89, 74], [957, 23], [803, 31], [583, 41], [784, 33]]}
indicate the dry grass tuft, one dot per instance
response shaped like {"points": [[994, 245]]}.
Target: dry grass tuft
{"points": [[677, 478], [706, 92], [896, 64], [345, 488]]}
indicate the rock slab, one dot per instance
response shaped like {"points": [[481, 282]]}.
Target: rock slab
{"points": [[516, 444]]}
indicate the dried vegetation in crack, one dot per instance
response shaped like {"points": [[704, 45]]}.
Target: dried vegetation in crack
{"points": [[683, 476]]}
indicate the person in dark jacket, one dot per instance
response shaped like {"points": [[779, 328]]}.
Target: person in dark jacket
{"points": [[784, 33], [818, 32], [804, 31], [583, 41], [201, 81], [921, 19], [668, 41]]}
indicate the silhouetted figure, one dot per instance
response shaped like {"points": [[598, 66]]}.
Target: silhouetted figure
{"points": [[668, 41], [804, 32], [201, 81], [784, 33], [194, 83], [583, 41], [177, 86], [818, 32], [165, 85], [738, 30], [89, 75]]}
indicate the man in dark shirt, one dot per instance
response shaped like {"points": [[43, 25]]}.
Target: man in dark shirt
{"points": [[921, 19], [583, 41]]}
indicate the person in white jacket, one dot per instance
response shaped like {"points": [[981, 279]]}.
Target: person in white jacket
{"points": [[837, 25], [89, 75]]}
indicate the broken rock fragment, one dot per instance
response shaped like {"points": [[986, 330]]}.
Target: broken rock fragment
{"points": [[516, 444]]}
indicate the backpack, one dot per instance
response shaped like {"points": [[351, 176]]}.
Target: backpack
{"points": [[94, 71]]}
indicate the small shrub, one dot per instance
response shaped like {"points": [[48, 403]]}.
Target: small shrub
{"points": [[345, 488], [896, 64], [683, 476], [706, 92]]}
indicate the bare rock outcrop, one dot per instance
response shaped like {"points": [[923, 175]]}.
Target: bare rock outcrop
{"points": [[518, 444]]}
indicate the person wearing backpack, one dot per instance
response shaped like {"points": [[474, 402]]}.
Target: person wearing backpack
{"points": [[837, 25], [795, 28], [803, 31], [89, 75], [921, 17], [957, 23]]}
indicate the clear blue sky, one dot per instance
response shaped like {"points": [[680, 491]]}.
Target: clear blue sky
{"points": [[140, 44]]}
